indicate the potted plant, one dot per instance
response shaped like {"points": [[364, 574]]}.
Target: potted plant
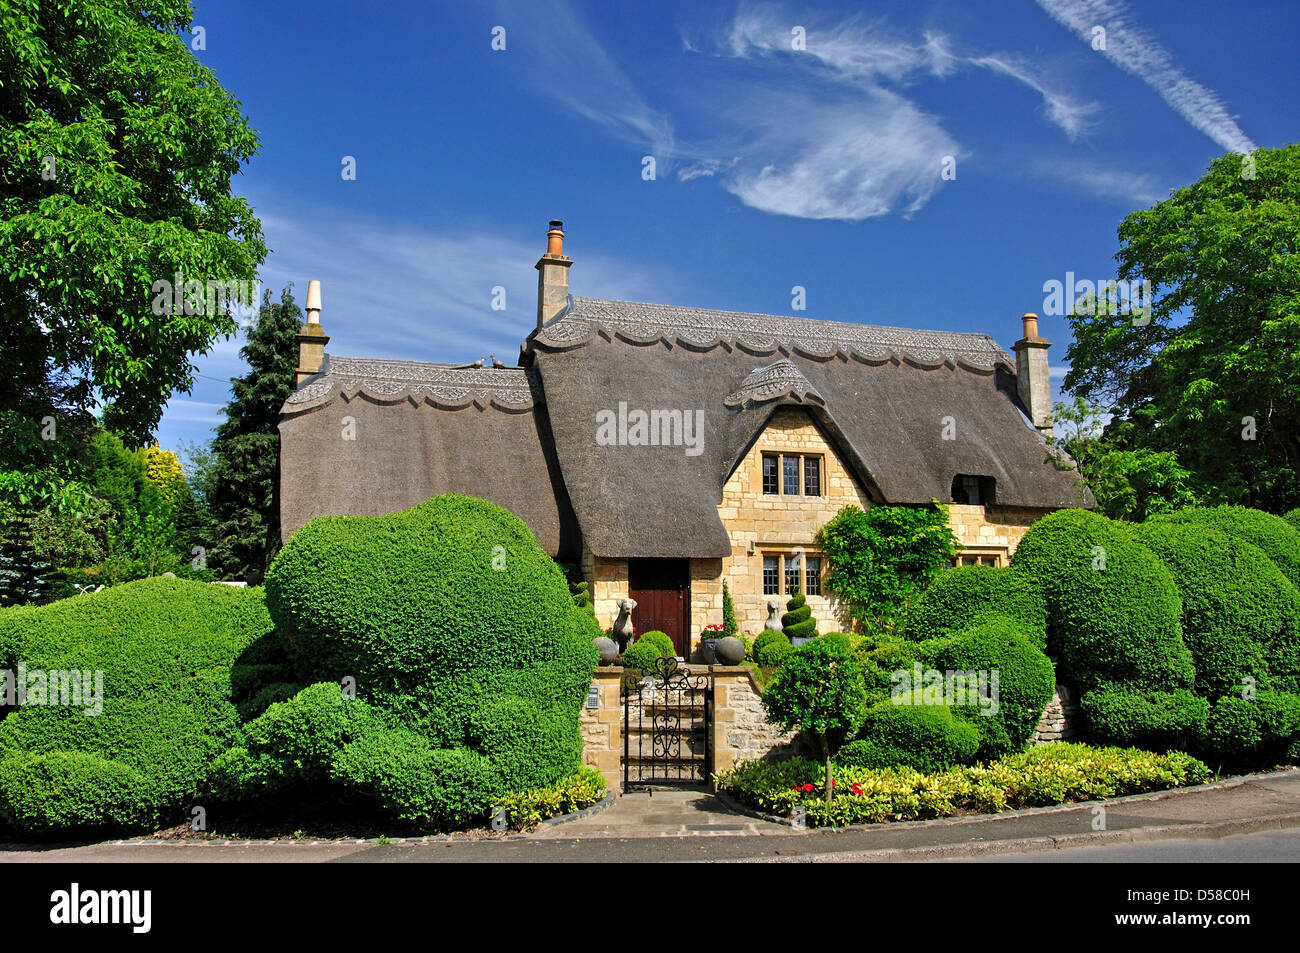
{"points": [[709, 639]]}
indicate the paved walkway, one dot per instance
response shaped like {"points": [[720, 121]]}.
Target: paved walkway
{"points": [[691, 826]]}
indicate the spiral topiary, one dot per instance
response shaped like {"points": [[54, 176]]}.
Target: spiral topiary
{"points": [[798, 623]]}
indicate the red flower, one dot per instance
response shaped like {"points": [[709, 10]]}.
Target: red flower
{"points": [[807, 787]]}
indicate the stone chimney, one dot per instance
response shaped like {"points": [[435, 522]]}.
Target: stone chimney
{"points": [[552, 276], [1032, 379], [311, 337]]}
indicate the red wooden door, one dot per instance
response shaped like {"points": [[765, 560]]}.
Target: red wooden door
{"points": [[662, 590]]}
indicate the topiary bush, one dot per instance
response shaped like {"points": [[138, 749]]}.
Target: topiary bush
{"points": [[964, 595], [1158, 721], [166, 649], [662, 641], [1112, 607], [1279, 540], [645, 654], [1241, 616], [772, 648], [798, 623], [1025, 680], [911, 735], [1243, 732], [455, 625]]}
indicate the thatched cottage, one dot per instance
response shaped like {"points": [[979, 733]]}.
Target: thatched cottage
{"points": [[664, 449]]}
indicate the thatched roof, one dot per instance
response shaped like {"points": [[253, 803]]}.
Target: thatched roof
{"points": [[527, 437], [881, 395]]}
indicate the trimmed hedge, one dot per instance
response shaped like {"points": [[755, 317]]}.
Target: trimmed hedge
{"points": [[1241, 616], [662, 641], [166, 648], [1261, 731], [454, 624], [1273, 534], [923, 737], [964, 595], [1025, 679], [1157, 721], [645, 655], [772, 648], [1112, 606]]}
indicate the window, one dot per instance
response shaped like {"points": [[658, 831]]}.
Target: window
{"points": [[784, 474], [972, 490], [790, 476], [812, 476], [788, 573], [813, 576], [975, 559]]}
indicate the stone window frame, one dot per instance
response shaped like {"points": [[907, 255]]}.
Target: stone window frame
{"points": [[801, 479], [994, 556], [782, 551]]}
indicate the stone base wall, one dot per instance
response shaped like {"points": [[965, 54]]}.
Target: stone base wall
{"points": [[1061, 719], [602, 728]]}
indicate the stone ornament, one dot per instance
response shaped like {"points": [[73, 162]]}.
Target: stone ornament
{"points": [[773, 615], [622, 631]]}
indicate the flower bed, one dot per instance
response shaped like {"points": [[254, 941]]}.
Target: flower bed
{"points": [[1051, 774], [526, 810]]}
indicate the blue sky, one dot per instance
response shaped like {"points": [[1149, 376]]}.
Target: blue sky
{"points": [[774, 166]]}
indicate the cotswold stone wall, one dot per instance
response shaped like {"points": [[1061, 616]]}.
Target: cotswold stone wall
{"points": [[1061, 718]]}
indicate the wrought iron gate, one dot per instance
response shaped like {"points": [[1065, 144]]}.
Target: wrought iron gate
{"points": [[666, 736]]}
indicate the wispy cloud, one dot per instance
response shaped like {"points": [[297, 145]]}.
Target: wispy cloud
{"points": [[1103, 182], [1134, 50], [1073, 116]]}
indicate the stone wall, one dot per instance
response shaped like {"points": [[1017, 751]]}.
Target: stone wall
{"points": [[1061, 718], [602, 728]]}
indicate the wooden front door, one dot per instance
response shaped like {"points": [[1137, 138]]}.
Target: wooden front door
{"points": [[662, 590]]}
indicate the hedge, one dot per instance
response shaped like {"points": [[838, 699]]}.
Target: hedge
{"points": [[645, 655], [1241, 616], [1026, 681], [1155, 720], [1112, 606], [166, 648], [1279, 539], [918, 736], [453, 623], [963, 595], [1250, 733], [662, 641]]}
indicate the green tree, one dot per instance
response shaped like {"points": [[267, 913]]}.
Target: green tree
{"points": [[1214, 377], [880, 560], [117, 148], [1127, 484], [821, 690], [729, 626], [245, 493]]}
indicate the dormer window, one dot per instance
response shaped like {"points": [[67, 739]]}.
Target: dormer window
{"points": [[972, 490], [792, 474]]}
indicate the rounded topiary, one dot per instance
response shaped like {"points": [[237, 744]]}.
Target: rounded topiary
{"points": [[644, 654], [1112, 606], [1279, 540], [963, 595], [440, 613], [924, 737], [1241, 616], [771, 648], [165, 650], [1004, 648], [798, 623], [1248, 732], [661, 640]]}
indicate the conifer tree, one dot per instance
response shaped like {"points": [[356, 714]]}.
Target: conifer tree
{"points": [[729, 626], [245, 497]]}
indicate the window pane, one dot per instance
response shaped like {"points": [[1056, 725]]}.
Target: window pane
{"points": [[813, 575], [972, 485], [812, 476], [769, 473], [771, 576], [790, 467], [792, 569]]}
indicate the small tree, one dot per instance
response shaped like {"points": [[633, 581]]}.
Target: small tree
{"points": [[798, 623], [729, 626], [821, 690]]}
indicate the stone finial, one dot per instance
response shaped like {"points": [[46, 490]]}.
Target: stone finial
{"points": [[773, 615]]}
